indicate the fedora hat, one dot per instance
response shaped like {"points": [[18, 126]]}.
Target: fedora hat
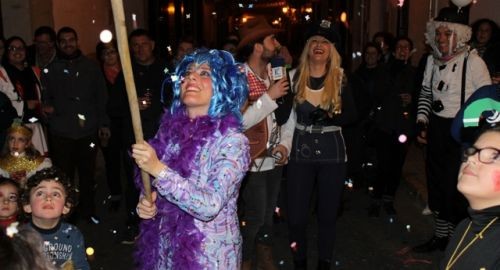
{"points": [[254, 29]]}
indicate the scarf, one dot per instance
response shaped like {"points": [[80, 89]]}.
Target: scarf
{"points": [[177, 143], [256, 87]]}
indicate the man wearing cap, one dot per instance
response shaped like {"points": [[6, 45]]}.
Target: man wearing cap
{"points": [[261, 186], [452, 74]]}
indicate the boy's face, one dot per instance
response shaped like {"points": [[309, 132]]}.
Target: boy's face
{"points": [[18, 143], [47, 201], [8, 201]]}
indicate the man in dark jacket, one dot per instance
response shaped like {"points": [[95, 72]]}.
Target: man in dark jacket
{"points": [[394, 113], [75, 105], [149, 74]]}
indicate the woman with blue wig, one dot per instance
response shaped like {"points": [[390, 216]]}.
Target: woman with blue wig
{"points": [[198, 159]]}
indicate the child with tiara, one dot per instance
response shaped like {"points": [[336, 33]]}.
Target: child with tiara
{"points": [[19, 159], [9, 202]]}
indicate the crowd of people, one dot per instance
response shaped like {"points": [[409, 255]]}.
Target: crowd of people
{"points": [[222, 128]]}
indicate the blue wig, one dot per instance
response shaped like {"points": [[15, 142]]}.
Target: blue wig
{"points": [[229, 83]]}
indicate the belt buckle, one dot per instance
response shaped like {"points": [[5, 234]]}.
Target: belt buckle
{"points": [[316, 129]]}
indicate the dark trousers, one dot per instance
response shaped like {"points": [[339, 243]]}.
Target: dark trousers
{"points": [[443, 162], [72, 155], [328, 178], [112, 153], [131, 192], [391, 154], [356, 147], [260, 194]]}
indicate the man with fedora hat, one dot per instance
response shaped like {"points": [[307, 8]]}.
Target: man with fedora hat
{"points": [[453, 72], [261, 185]]}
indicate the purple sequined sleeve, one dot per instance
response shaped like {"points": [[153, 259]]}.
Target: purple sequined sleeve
{"points": [[222, 165]]}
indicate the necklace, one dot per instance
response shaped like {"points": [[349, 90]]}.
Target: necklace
{"points": [[453, 259]]}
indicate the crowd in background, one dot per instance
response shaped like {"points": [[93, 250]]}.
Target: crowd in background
{"points": [[323, 124]]}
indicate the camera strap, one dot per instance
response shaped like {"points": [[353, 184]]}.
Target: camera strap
{"points": [[464, 70], [462, 92]]}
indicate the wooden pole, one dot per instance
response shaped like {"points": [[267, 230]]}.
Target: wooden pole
{"points": [[122, 41]]}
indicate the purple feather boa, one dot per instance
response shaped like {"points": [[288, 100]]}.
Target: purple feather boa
{"points": [[173, 234]]}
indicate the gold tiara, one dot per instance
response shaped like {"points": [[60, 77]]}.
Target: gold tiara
{"points": [[19, 128]]}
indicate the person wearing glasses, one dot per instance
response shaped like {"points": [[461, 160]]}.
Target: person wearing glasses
{"points": [[474, 244], [25, 93]]}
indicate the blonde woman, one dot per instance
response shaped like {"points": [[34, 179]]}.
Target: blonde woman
{"points": [[318, 156]]}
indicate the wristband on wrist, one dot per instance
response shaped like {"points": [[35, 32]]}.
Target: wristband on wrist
{"points": [[163, 173]]}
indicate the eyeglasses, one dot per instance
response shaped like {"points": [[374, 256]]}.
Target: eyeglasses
{"points": [[109, 52], [15, 49], [487, 155], [12, 198]]}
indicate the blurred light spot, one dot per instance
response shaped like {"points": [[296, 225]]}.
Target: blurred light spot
{"points": [[106, 36], [402, 138], [90, 251]]}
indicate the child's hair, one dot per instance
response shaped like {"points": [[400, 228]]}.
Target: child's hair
{"points": [[486, 128], [22, 249], [51, 174], [7, 181], [30, 151]]}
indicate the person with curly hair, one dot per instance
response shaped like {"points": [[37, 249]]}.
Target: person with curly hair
{"points": [[21, 248], [198, 159], [49, 196]]}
